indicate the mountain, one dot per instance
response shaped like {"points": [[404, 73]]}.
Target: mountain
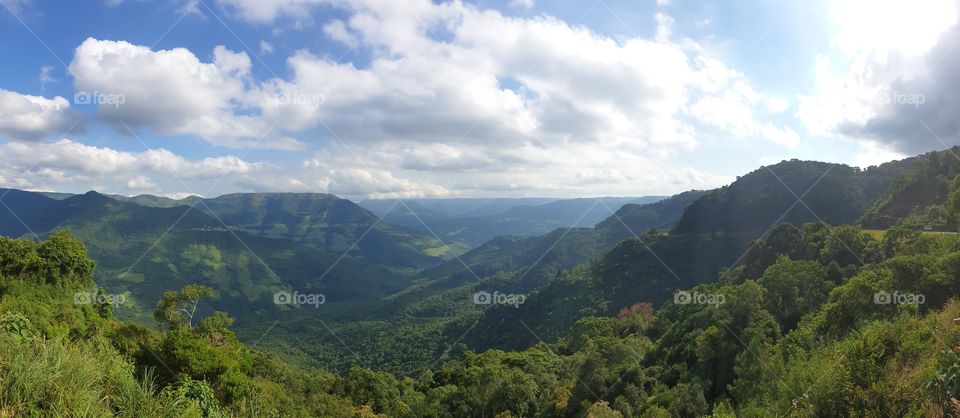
{"points": [[156, 201], [320, 220], [635, 218], [146, 250], [918, 197], [455, 207], [522, 220], [408, 329], [833, 193], [647, 269], [17, 205]]}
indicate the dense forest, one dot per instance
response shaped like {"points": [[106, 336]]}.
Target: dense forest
{"points": [[798, 333]]}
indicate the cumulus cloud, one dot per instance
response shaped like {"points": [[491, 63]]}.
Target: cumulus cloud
{"points": [[65, 161], [174, 93], [899, 93], [34, 118], [501, 80], [529, 105]]}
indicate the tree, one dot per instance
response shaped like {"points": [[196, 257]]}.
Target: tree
{"points": [[953, 203], [178, 308], [794, 288]]}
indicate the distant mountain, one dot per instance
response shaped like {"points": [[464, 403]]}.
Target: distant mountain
{"points": [[156, 201], [146, 250], [755, 202], [18, 208], [321, 220], [522, 220], [918, 197], [635, 218], [456, 207]]}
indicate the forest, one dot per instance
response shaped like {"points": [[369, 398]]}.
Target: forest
{"points": [[799, 332]]}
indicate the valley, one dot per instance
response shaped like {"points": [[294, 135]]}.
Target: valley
{"points": [[785, 273]]}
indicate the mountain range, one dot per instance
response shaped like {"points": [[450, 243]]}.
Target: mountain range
{"points": [[409, 287]]}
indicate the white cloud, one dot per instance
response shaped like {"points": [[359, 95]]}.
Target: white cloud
{"points": [[172, 92], [66, 162], [266, 48], [46, 76], [893, 76], [525, 105], [266, 11], [34, 118], [337, 30], [141, 183], [523, 4]]}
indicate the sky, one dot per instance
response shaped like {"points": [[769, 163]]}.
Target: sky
{"points": [[411, 98]]}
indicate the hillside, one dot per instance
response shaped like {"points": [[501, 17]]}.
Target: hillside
{"points": [[918, 197], [824, 344], [410, 328], [145, 250], [635, 218], [834, 193], [320, 220]]}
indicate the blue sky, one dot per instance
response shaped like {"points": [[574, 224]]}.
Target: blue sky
{"points": [[376, 98]]}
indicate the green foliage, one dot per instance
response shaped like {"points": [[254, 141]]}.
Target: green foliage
{"points": [[758, 199], [177, 309], [919, 198]]}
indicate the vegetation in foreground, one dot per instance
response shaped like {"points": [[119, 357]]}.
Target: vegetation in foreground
{"points": [[798, 333]]}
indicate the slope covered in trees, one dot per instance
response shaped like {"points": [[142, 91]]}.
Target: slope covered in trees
{"points": [[806, 336], [919, 196], [145, 250], [768, 196], [321, 220]]}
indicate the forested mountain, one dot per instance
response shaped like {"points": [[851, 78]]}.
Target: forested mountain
{"points": [[788, 323], [919, 196], [528, 217], [145, 250], [636, 218], [802, 337], [321, 220], [768, 196], [409, 329]]}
